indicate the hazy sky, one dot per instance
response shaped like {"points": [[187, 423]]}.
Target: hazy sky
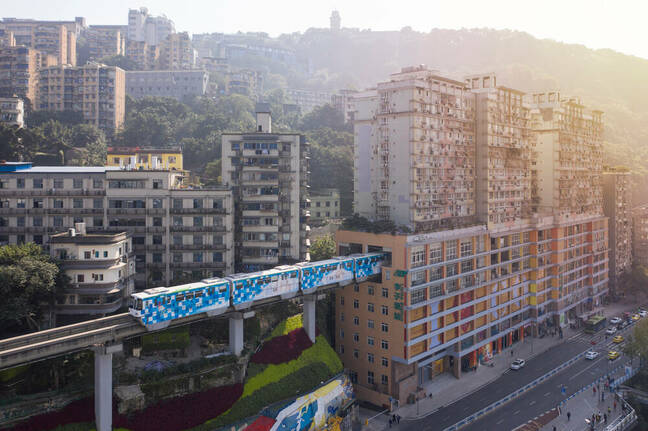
{"points": [[616, 24]]}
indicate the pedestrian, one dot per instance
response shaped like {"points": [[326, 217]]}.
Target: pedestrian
{"points": [[511, 352], [594, 390], [554, 428], [604, 418], [609, 411], [390, 422], [398, 418], [603, 396], [593, 417], [615, 405], [568, 416]]}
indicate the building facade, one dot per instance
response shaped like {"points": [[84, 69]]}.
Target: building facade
{"points": [[176, 52], [307, 100], [143, 27], [130, 158], [12, 111], [178, 84], [57, 38], [268, 174], [19, 67], [145, 55], [617, 206], [101, 270], [414, 157], [178, 233], [95, 90], [324, 204], [246, 82], [105, 41], [640, 235]]}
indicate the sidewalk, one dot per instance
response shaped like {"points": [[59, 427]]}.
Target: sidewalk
{"points": [[446, 389]]}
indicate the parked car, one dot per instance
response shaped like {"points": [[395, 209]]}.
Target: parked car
{"points": [[591, 354], [615, 320], [611, 330], [618, 339], [517, 364], [613, 354], [622, 325], [643, 313], [635, 317]]}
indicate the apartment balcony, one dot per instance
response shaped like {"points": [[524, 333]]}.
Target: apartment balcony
{"points": [[126, 211], [21, 193], [72, 263], [99, 288], [262, 260], [192, 247], [197, 211], [197, 265], [197, 228], [263, 244], [101, 308], [261, 198]]}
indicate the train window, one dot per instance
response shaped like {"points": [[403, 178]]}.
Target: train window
{"points": [[179, 297], [190, 295], [139, 304], [199, 294], [274, 278], [293, 274], [223, 288]]}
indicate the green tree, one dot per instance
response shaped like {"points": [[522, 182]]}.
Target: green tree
{"points": [[323, 248], [90, 143], [29, 279], [637, 345], [635, 281], [325, 116], [212, 173]]}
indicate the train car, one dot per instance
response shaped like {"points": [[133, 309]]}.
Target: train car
{"points": [[367, 265], [155, 308], [325, 272], [280, 281]]}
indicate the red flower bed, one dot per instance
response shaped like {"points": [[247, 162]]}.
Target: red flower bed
{"points": [[284, 348], [263, 423], [175, 414]]}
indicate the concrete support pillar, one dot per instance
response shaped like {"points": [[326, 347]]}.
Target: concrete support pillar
{"points": [[103, 384], [308, 319], [236, 333], [499, 344], [456, 367]]}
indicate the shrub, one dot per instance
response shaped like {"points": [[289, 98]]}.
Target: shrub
{"points": [[286, 326], [283, 348]]}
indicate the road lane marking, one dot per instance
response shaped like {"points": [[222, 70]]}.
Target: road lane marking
{"points": [[547, 394], [532, 403], [585, 369], [516, 412], [500, 421]]}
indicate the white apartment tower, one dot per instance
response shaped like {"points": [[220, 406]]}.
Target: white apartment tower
{"points": [[415, 151]]}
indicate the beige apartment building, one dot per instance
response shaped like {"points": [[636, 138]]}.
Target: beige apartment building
{"points": [[96, 90], [12, 111], [57, 38], [105, 41], [19, 67], [640, 235], [414, 156], [145, 55], [617, 206], [178, 233], [101, 270], [176, 52], [268, 174], [324, 204], [500, 250]]}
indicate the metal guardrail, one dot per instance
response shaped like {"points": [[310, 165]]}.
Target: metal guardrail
{"points": [[497, 404]]}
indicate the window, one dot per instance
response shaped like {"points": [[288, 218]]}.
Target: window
{"points": [[383, 379], [157, 257], [385, 292], [77, 203], [341, 317], [97, 203], [97, 184], [38, 221], [38, 202], [417, 256], [356, 337], [370, 290], [341, 349], [198, 257], [341, 333], [177, 257], [217, 256], [157, 239], [177, 221], [356, 287], [435, 253], [370, 307], [58, 203], [384, 310], [197, 203], [417, 278], [97, 221], [451, 270], [87, 255], [37, 183], [157, 221], [80, 278], [177, 204], [57, 222], [384, 327], [77, 183], [38, 239], [356, 354], [356, 320], [20, 221], [58, 183], [356, 303], [370, 377], [342, 300], [384, 344], [451, 250], [466, 248], [157, 184], [20, 183], [353, 376], [371, 341], [20, 203], [198, 221], [384, 361], [370, 324], [157, 203], [370, 358]]}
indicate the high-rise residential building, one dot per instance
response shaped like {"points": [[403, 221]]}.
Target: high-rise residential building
{"points": [[246, 82], [95, 90], [57, 38], [324, 204], [504, 147], [268, 174], [617, 206], [12, 111], [307, 100], [336, 21], [176, 52], [143, 27], [105, 41], [475, 277], [179, 84], [343, 102], [415, 151], [640, 235], [145, 158], [19, 67], [7, 38], [178, 233], [569, 141], [145, 55], [101, 268]]}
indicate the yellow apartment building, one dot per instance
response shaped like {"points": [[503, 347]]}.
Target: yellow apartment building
{"points": [[145, 158]]}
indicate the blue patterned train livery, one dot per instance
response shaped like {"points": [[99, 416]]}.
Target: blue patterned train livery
{"points": [[155, 308]]}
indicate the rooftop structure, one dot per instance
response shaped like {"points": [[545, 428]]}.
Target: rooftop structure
{"points": [[12, 111]]}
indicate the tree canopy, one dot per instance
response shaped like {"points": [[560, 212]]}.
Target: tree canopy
{"points": [[323, 248]]}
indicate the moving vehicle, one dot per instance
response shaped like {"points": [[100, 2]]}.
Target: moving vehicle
{"points": [[155, 308], [615, 320], [517, 364], [591, 355], [642, 313], [618, 339], [622, 325], [635, 317], [595, 324], [613, 354], [611, 330]]}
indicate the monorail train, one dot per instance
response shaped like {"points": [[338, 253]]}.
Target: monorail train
{"points": [[155, 308]]}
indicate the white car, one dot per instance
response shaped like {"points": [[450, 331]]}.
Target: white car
{"points": [[517, 364], [591, 355], [611, 330], [615, 320], [643, 313]]}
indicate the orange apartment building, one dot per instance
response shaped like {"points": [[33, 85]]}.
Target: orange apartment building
{"points": [[502, 193]]}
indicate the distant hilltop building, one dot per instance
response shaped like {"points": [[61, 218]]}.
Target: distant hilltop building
{"points": [[335, 21]]}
